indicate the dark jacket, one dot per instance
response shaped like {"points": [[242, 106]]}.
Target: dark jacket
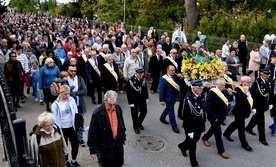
{"points": [[260, 95], [193, 121], [100, 134], [108, 80], [155, 66], [215, 106], [167, 92], [242, 108], [136, 91]]}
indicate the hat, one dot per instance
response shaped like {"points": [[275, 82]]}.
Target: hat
{"points": [[265, 71], [197, 83], [139, 70]]}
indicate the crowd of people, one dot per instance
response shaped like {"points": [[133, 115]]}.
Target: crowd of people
{"points": [[38, 50]]}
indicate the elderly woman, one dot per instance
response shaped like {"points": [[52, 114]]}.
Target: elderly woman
{"points": [[14, 76], [109, 74], [233, 63], [47, 141], [64, 109], [48, 73]]}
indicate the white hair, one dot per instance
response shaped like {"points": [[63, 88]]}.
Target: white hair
{"points": [[108, 56], [220, 81], [48, 60], [45, 117], [110, 95]]}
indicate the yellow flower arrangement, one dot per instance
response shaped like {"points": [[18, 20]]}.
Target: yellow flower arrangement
{"points": [[202, 70]]}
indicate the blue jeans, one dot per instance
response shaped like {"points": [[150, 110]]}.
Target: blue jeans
{"points": [[36, 90], [273, 126]]}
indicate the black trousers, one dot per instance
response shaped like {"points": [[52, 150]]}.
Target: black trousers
{"points": [[215, 130], [238, 123], [243, 60], [259, 120], [98, 86], [190, 144], [155, 82], [71, 134], [113, 157], [138, 113]]}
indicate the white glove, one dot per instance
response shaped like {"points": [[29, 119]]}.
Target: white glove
{"points": [[191, 135], [270, 106], [131, 105], [147, 100], [253, 111]]}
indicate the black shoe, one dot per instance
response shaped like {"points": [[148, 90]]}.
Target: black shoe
{"points": [[48, 109], [22, 99], [28, 90], [82, 143], [247, 148], [75, 164], [229, 138], [176, 130], [141, 127], [137, 131], [164, 121], [17, 106], [182, 151], [251, 132], [93, 101], [67, 164], [264, 143]]}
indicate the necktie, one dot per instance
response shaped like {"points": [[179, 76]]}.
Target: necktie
{"points": [[95, 60]]}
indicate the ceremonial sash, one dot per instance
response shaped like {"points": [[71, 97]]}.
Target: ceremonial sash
{"points": [[171, 81], [220, 95], [111, 71], [102, 54], [95, 67], [84, 57], [172, 61], [228, 79], [249, 98]]}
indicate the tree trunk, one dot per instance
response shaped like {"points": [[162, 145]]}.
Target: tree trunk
{"points": [[192, 14]]}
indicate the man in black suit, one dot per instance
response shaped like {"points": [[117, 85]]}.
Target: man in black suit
{"points": [[242, 52], [167, 46], [94, 76], [216, 107], [260, 94], [155, 70], [105, 27], [241, 111], [48, 44], [137, 96], [272, 96], [194, 120]]}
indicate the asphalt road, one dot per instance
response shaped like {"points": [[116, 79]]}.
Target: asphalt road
{"points": [[169, 155]]}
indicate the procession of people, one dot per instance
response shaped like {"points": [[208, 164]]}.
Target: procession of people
{"points": [[135, 64]]}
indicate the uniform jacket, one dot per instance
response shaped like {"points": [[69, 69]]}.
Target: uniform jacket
{"points": [[193, 115], [100, 134], [260, 95], [167, 92], [136, 90], [91, 74], [242, 108]]}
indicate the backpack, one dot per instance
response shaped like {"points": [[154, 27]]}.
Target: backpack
{"points": [[54, 88]]}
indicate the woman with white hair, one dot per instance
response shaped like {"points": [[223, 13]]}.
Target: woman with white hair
{"points": [[48, 73], [47, 142]]}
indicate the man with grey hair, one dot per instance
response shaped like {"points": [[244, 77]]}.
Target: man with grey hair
{"points": [[131, 63], [264, 54], [216, 109], [98, 44], [107, 135]]}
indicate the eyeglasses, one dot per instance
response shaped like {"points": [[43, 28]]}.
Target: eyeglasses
{"points": [[13, 56]]}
